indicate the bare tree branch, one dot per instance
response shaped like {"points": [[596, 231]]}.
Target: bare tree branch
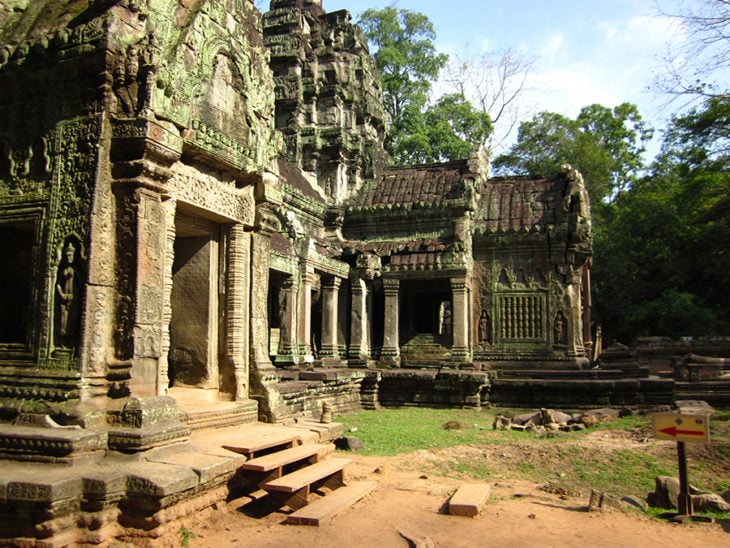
{"points": [[698, 52], [493, 81]]}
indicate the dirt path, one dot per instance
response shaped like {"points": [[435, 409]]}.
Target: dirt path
{"points": [[407, 502]]}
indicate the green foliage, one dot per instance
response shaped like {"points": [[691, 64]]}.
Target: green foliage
{"points": [[604, 144], [186, 535], [405, 56], [408, 63], [661, 254]]}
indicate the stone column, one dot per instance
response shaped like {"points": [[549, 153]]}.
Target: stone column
{"points": [[261, 249], [359, 351], [304, 325], [460, 348], [163, 374], [586, 304], [151, 238], [330, 307], [143, 152], [237, 305], [288, 334], [390, 353], [575, 320]]}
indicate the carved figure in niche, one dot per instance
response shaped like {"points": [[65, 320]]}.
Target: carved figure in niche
{"points": [[293, 225], [67, 297], [444, 318], [485, 329], [560, 332]]}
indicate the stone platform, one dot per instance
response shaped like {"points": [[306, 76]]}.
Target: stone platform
{"points": [[129, 497]]}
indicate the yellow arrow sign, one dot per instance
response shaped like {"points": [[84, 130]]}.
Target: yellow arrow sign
{"points": [[670, 426]]}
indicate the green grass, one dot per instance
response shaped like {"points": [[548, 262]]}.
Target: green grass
{"points": [[568, 461], [393, 431]]}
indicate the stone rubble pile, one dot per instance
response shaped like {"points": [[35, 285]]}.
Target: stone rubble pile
{"points": [[547, 420]]}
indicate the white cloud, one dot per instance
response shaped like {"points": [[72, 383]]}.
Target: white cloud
{"points": [[554, 45]]}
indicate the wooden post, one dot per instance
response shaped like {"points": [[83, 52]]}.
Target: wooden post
{"points": [[684, 501]]}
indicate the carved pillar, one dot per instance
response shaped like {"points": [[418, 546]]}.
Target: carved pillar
{"points": [[261, 243], [359, 351], [586, 311], [390, 354], [330, 307], [460, 348], [288, 334], [304, 325], [142, 152], [163, 374], [237, 306], [575, 320], [151, 235]]}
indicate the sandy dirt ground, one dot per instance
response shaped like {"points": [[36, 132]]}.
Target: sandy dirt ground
{"points": [[408, 508]]}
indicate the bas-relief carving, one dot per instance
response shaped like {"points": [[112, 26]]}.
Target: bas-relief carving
{"points": [[98, 312], [212, 192], [68, 297], [126, 274], [212, 68]]}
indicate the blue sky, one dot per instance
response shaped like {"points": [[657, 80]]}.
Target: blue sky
{"points": [[584, 51]]}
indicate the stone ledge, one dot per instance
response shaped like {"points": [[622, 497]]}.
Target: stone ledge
{"points": [[49, 444]]}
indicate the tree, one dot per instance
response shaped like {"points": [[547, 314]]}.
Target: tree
{"points": [[495, 82], [661, 258], [453, 127], [605, 145], [408, 63], [699, 52]]}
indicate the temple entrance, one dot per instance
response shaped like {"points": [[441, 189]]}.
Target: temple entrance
{"points": [[16, 277], [194, 326], [425, 322], [276, 310]]}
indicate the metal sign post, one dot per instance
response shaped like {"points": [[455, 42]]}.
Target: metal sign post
{"points": [[681, 428]]}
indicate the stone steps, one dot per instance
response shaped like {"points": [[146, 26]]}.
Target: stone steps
{"points": [[294, 489], [326, 508]]}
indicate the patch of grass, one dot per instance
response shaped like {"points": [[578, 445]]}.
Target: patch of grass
{"points": [[393, 431], [186, 535], [607, 457]]}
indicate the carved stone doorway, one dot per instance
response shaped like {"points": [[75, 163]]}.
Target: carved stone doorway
{"points": [[17, 240], [194, 326], [425, 322]]}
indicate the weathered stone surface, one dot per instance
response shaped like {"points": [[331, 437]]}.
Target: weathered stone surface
{"points": [[350, 443], [469, 499], [709, 502]]}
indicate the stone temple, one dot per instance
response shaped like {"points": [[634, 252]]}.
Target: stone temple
{"points": [[200, 228]]}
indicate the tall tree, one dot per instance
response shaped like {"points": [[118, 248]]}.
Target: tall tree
{"points": [[408, 63], [453, 127], [661, 264], [605, 145], [495, 82]]}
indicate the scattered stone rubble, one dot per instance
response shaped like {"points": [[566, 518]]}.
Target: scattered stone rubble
{"points": [[546, 420], [666, 493]]}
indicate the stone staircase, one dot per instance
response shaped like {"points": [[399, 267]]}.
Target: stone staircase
{"points": [[426, 350], [82, 493], [298, 473]]}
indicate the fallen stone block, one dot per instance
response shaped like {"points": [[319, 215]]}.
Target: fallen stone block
{"points": [[469, 499]]}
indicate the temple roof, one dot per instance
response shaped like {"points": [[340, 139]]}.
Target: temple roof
{"points": [[519, 204], [425, 184]]}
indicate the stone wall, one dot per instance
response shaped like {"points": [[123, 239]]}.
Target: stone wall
{"points": [[657, 353]]}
